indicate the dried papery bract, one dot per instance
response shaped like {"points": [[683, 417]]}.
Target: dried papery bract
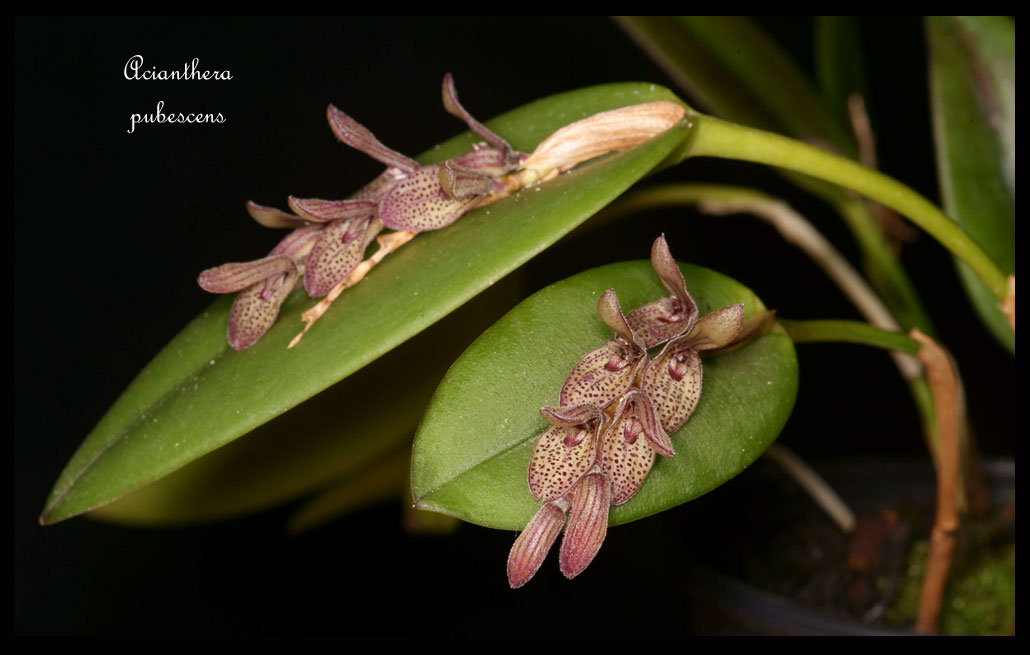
{"points": [[607, 131]]}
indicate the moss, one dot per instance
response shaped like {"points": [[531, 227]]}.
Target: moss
{"points": [[980, 598]]}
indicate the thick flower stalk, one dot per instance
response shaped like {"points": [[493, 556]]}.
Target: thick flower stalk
{"points": [[327, 246], [616, 411]]}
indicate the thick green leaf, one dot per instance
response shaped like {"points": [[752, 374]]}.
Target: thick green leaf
{"points": [[738, 72], [472, 450], [331, 437], [198, 394], [973, 94]]}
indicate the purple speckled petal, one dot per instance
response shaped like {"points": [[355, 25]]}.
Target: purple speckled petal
{"points": [[611, 313], [460, 182], [530, 549], [667, 318], [337, 253], [272, 217], [256, 307], [323, 211], [672, 279], [588, 524], [571, 416], [556, 464], [359, 137], [236, 276], [717, 329], [657, 322], [643, 412], [602, 375], [380, 187], [297, 244], [626, 455], [673, 383], [453, 107], [419, 203]]}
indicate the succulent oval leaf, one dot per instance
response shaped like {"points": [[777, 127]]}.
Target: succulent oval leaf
{"points": [[495, 390]]}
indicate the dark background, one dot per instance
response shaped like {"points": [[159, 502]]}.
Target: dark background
{"points": [[112, 228]]}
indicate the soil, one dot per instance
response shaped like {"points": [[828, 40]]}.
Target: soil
{"points": [[770, 543]]}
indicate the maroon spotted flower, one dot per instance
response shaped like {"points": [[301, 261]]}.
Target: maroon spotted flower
{"points": [[330, 236], [617, 409]]}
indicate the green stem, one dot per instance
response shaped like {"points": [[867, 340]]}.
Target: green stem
{"points": [[848, 332], [881, 267], [713, 137]]}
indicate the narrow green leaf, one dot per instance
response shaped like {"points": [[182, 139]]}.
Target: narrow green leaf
{"points": [[198, 394], [839, 63], [973, 95], [472, 450], [739, 73]]}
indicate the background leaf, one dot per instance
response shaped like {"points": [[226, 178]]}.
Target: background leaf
{"points": [[840, 65], [735, 70], [472, 449], [973, 96], [198, 394]]}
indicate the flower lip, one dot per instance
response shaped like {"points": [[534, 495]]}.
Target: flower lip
{"points": [[669, 317], [510, 158]]}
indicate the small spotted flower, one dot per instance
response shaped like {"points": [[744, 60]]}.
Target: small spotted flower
{"points": [[605, 373], [265, 283], [330, 236], [617, 409], [667, 318], [628, 447], [672, 380], [566, 451]]}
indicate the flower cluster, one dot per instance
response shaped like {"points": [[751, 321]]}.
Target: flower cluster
{"points": [[329, 237], [615, 412]]}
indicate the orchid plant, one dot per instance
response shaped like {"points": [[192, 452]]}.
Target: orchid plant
{"points": [[632, 433]]}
